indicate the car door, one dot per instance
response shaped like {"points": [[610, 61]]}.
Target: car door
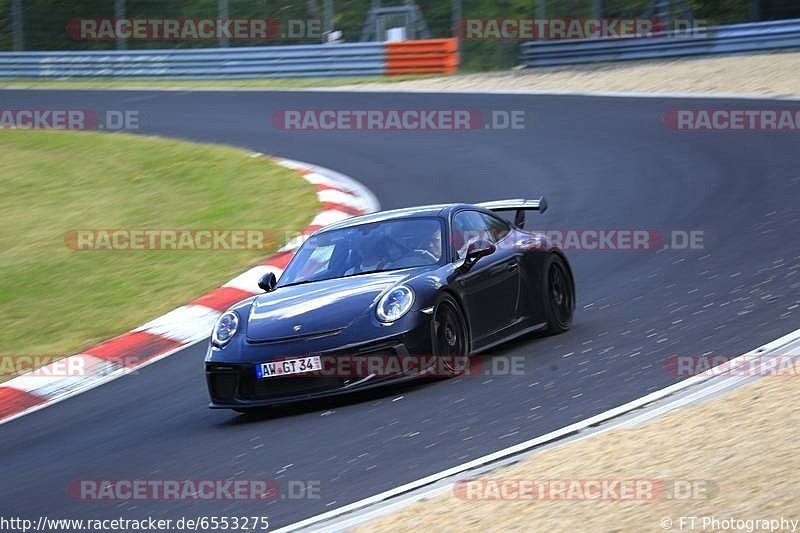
{"points": [[490, 287]]}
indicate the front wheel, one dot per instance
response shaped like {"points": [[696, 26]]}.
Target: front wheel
{"points": [[449, 334], [559, 295]]}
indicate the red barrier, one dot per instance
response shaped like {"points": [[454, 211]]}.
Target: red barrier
{"points": [[429, 56]]}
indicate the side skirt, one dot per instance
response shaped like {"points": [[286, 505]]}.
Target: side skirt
{"points": [[510, 337]]}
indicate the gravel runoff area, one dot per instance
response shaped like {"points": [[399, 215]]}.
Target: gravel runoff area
{"points": [[772, 74], [739, 453]]}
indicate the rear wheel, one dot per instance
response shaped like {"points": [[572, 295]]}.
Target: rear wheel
{"points": [[449, 335], [559, 292]]}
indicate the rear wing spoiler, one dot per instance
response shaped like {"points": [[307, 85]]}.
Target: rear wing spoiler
{"points": [[520, 205]]}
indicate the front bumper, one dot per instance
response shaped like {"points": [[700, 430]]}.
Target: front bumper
{"points": [[236, 386]]}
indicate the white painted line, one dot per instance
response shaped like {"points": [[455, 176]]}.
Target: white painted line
{"points": [[294, 165], [364, 505], [248, 281], [329, 217], [185, 324], [189, 324], [294, 243], [320, 179], [357, 188], [88, 384], [542, 92], [60, 376], [341, 198], [400, 90], [725, 383]]}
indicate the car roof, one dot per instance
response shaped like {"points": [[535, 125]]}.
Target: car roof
{"points": [[437, 210]]}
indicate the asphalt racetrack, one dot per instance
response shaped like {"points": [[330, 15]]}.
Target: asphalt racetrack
{"points": [[603, 163]]}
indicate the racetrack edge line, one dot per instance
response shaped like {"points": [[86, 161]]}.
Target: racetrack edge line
{"points": [[358, 509], [189, 324], [399, 90]]}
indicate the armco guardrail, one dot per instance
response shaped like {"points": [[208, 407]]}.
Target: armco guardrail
{"points": [[247, 62], [736, 38], [350, 59]]}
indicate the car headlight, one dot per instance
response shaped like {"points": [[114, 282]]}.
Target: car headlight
{"points": [[225, 329], [395, 303]]}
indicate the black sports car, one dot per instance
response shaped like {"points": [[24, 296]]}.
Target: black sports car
{"points": [[431, 283]]}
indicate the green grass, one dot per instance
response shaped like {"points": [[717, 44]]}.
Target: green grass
{"points": [[55, 300], [143, 83]]}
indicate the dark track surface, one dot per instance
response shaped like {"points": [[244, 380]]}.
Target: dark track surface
{"points": [[602, 162]]}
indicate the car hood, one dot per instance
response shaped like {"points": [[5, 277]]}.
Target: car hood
{"points": [[319, 307]]}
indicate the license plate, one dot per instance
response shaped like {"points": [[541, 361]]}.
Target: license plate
{"points": [[301, 365]]}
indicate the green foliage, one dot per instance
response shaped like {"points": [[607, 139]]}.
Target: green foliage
{"points": [[45, 21], [5, 25]]}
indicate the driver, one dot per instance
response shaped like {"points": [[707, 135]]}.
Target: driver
{"points": [[373, 256], [432, 247]]}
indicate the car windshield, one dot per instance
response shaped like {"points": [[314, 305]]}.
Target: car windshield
{"points": [[374, 247]]}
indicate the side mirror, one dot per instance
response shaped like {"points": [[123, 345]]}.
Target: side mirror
{"points": [[477, 250], [267, 282]]}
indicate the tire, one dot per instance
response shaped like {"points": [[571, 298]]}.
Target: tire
{"points": [[449, 333], [559, 295]]}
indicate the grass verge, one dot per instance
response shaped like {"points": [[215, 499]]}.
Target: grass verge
{"points": [[741, 450], [55, 300]]}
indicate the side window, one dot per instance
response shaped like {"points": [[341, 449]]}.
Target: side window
{"points": [[497, 227], [468, 227]]}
